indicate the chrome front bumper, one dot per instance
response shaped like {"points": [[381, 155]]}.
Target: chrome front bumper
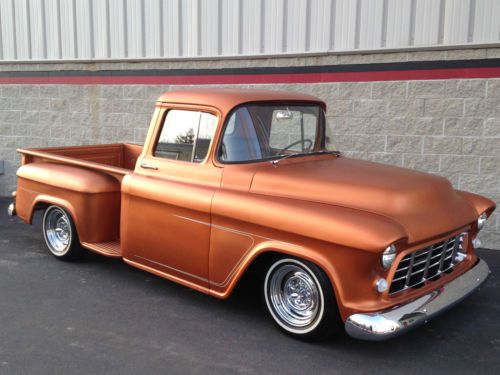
{"points": [[384, 325]]}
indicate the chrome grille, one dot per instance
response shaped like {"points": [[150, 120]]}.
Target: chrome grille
{"points": [[427, 264]]}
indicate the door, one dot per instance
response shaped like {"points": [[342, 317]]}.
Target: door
{"points": [[167, 201]]}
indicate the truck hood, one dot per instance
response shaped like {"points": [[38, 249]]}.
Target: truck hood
{"points": [[425, 205]]}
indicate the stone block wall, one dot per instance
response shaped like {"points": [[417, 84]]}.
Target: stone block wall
{"points": [[449, 127]]}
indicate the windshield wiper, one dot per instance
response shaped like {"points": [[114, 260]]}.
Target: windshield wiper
{"points": [[322, 152]]}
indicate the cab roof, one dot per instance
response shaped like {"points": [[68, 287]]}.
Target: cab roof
{"points": [[227, 99]]}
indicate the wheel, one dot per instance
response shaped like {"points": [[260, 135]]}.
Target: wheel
{"points": [[300, 299], [60, 234]]}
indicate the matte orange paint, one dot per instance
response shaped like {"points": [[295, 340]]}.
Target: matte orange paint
{"points": [[202, 225]]}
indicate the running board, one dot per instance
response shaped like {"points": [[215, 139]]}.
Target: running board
{"points": [[110, 249]]}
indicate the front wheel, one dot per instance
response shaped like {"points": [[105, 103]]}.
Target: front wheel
{"points": [[300, 299], [60, 234]]}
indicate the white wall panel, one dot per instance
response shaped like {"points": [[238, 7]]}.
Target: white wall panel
{"points": [[37, 30], [8, 30], [53, 29], [209, 24], [456, 21], [251, 26], [153, 28], [117, 30], [230, 27], [427, 22], [84, 30], [370, 24], [134, 22], [156, 29], [486, 21], [274, 24], [22, 29], [320, 24], [68, 35], [190, 14], [171, 28], [345, 25], [297, 26], [101, 27], [398, 23]]}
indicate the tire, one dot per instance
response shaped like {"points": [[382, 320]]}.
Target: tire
{"points": [[60, 234], [300, 299]]}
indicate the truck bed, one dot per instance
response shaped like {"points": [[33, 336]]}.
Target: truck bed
{"points": [[116, 159]]}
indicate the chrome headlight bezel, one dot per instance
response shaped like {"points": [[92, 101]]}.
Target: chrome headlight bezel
{"points": [[388, 257], [481, 220]]}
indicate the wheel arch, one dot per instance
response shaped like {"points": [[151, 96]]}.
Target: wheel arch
{"points": [[261, 257], [45, 201]]}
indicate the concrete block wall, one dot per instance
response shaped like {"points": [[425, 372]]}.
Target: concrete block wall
{"points": [[449, 127]]}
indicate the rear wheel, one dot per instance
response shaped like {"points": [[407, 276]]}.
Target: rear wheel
{"points": [[60, 234], [300, 299]]}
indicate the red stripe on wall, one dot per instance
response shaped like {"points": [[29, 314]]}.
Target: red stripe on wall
{"points": [[395, 75]]}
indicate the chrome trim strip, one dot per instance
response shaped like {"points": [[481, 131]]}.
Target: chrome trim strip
{"points": [[387, 324], [172, 268]]}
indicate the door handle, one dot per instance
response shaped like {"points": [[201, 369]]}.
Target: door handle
{"points": [[147, 166]]}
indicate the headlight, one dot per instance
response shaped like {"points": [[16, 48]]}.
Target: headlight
{"points": [[481, 221], [388, 256]]}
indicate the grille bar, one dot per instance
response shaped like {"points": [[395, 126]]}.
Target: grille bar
{"points": [[426, 264]]}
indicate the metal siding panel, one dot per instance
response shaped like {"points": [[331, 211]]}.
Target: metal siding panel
{"points": [[8, 30], [398, 23], [251, 28], [152, 36], [172, 37], [456, 21], [83, 30], [296, 30], [190, 27], [117, 46], [230, 27], [52, 25], [370, 27], [37, 30], [487, 22], [345, 25], [121, 29], [101, 33], [426, 22], [68, 29], [274, 27], [320, 25], [209, 23], [22, 26], [134, 29]]}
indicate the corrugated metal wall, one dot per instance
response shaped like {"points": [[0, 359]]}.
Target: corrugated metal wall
{"points": [[144, 29]]}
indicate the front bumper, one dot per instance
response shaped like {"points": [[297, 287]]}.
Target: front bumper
{"points": [[384, 325]]}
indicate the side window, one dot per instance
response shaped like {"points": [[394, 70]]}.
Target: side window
{"points": [[186, 135]]}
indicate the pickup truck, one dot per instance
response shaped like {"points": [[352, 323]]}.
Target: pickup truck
{"points": [[237, 181]]}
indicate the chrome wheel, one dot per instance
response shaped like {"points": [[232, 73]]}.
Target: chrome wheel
{"points": [[57, 230], [294, 296]]}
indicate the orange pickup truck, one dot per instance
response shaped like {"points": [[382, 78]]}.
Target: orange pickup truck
{"points": [[236, 181]]}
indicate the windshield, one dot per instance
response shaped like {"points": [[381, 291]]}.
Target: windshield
{"points": [[265, 132]]}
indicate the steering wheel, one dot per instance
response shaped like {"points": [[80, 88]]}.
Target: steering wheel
{"points": [[300, 141]]}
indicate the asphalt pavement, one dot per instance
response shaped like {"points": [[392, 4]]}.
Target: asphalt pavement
{"points": [[100, 316]]}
